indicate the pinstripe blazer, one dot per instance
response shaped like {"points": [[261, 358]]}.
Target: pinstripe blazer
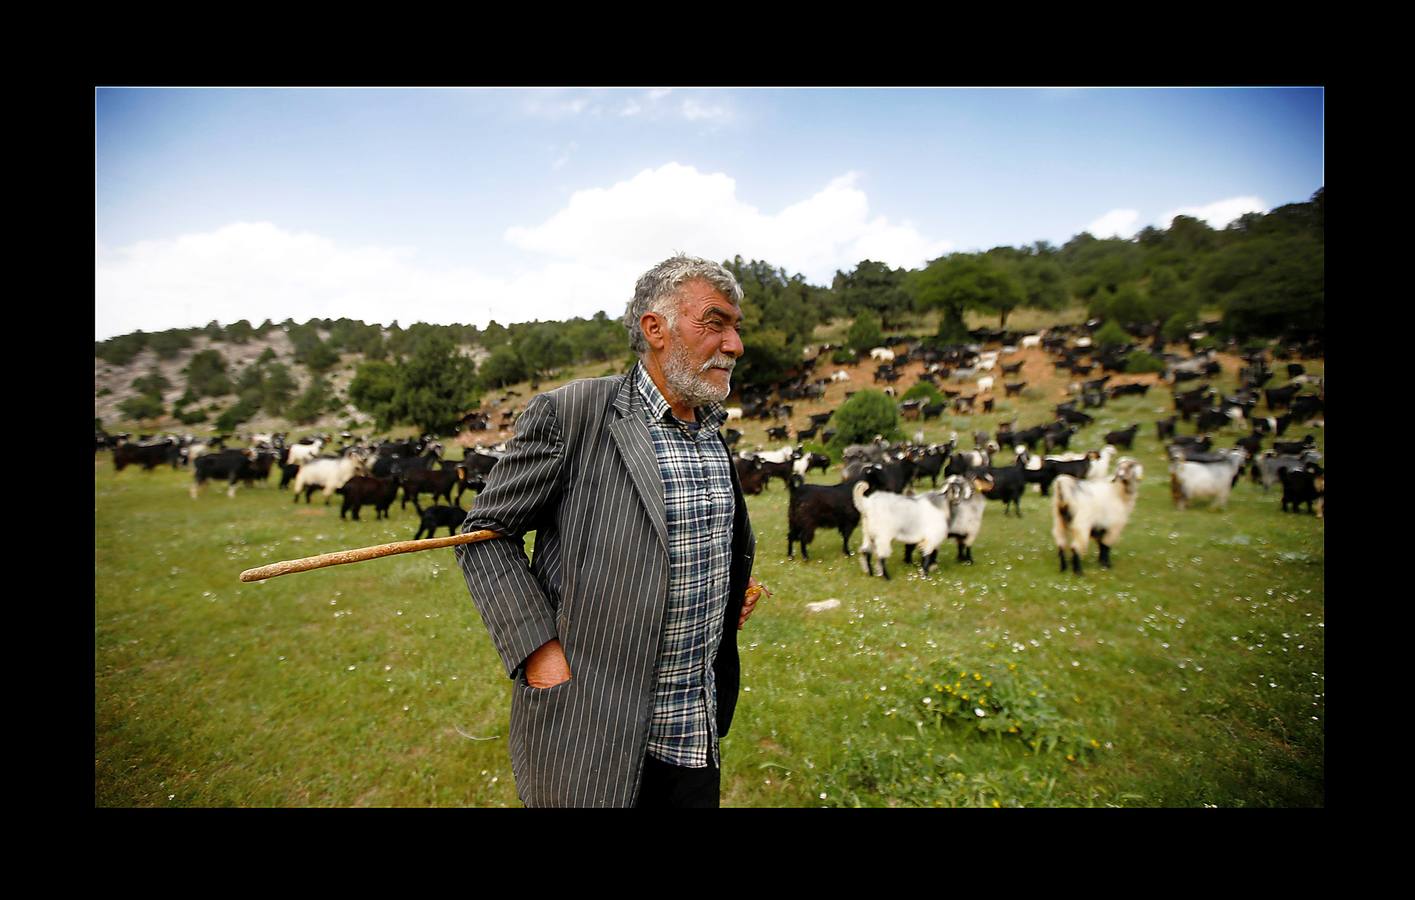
{"points": [[581, 473]]}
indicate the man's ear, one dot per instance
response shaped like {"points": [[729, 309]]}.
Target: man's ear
{"points": [[655, 329]]}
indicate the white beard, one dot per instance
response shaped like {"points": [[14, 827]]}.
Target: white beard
{"points": [[688, 382]]}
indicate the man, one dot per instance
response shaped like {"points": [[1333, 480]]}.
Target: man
{"points": [[621, 635]]}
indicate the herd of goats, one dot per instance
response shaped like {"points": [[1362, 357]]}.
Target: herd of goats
{"points": [[1092, 494]]}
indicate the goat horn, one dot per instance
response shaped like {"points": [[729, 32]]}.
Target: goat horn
{"points": [[340, 557]]}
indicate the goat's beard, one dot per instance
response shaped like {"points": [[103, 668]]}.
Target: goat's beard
{"points": [[687, 381]]}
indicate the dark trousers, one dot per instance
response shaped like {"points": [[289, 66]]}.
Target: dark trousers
{"points": [[666, 786]]}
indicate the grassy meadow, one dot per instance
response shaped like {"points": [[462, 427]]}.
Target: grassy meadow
{"points": [[1190, 674]]}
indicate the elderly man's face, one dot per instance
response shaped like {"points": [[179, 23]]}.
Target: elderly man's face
{"points": [[703, 346]]}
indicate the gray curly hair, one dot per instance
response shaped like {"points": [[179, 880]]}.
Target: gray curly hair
{"points": [[657, 291]]}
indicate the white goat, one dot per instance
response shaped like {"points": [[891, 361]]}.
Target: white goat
{"points": [[303, 453], [329, 474], [1083, 509], [886, 517], [883, 354], [1100, 467], [984, 384], [774, 456], [1031, 340], [839, 375], [1190, 481], [966, 503]]}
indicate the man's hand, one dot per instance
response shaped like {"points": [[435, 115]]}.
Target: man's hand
{"points": [[547, 667], [754, 591]]}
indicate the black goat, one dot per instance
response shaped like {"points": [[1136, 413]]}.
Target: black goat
{"points": [[435, 517], [819, 506]]}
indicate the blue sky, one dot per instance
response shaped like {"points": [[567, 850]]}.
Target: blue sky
{"points": [[472, 204]]}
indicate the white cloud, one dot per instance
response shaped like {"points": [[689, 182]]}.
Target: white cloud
{"points": [[644, 219], [1121, 223], [631, 109], [658, 94], [694, 111], [582, 259], [258, 270], [1218, 214], [552, 106], [1125, 223]]}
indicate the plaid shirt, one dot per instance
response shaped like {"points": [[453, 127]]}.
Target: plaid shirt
{"points": [[697, 496]]}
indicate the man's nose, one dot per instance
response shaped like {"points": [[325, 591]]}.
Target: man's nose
{"points": [[732, 343]]}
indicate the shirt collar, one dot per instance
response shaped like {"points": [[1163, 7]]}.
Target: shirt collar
{"points": [[656, 408]]}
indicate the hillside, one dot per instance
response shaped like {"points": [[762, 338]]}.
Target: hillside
{"points": [[113, 385]]}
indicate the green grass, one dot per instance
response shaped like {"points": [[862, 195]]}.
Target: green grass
{"points": [[1195, 665]]}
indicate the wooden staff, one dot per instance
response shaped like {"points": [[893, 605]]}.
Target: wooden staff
{"points": [[340, 557]]}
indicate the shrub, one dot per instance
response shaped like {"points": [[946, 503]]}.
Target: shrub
{"points": [[373, 387], [436, 385], [152, 384], [119, 351], [923, 389], [167, 344], [1111, 335], [1143, 361], [766, 359], [313, 403], [239, 332], [319, 357], [1177, 327], [142, 406], [206, 375], [863, 416], [843, 356], [235, 415], [864, 333], [193, 417], [277, 389], [504, 367]]}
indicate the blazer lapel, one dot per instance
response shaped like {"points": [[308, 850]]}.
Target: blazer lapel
{"points": [[635, 446]]}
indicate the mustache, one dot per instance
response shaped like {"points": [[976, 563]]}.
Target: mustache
{"points": [[719, 361]]}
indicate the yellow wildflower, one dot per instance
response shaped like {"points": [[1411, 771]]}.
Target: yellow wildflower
{"points": [[1070, 758], [996, 805]]}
